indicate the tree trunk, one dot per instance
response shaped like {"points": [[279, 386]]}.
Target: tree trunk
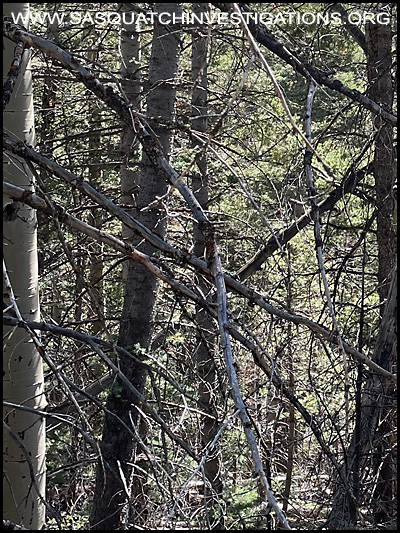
{"points": [[22, 364], [373, 448], [291, 441], [96, 219], [140, 291], [130, 149], [379, 64], [373, 445], [206, 333]]}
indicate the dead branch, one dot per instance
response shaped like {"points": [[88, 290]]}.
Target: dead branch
{"points": [[38, 203], [267, 39], [13, 73]]}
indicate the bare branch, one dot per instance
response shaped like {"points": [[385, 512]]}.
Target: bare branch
{"points": [[38, 203], [235, 390], [265, 37], [32, 473], [279, 91], [352, 28], [13, 73], [352, 177], [39, 347], [312, 195], [149, 141]]}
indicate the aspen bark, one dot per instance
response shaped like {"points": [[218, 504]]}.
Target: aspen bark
{"points": [[22, 364]]}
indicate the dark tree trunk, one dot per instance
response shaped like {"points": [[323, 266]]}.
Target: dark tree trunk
{"points": [[379, 63], [205, 348], [371, 445], [117, 446]]}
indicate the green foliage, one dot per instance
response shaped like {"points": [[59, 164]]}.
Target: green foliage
{"points": [[258, 171], [244, 508]]}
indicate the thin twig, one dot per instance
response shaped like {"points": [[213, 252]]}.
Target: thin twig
{"points": [[34, 201], [207, 450], [312, 195], [39, 347]]}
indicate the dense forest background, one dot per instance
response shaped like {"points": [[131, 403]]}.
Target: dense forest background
{"points": [[200, 283]]}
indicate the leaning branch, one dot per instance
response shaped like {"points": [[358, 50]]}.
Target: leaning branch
{"points": [[235, 389], [149, 141], [275, 242], [38, 344], [312, 194], [283, 237], [267, 39], [56, 211], [84, 338], [36, 202], [351, 28], [278, 90], [258, 356], [100, 236], [154, 151]]}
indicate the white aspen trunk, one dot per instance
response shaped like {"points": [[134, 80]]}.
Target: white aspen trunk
{"points": [[22, 364]]}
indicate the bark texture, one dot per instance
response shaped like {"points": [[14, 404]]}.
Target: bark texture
{"points": [[206, 333], [371, 446], [22, 364], [379, 65], [140, 292]]}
